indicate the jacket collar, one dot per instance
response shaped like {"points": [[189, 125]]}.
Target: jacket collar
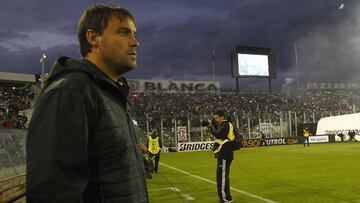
{"points": [[105, 80]]}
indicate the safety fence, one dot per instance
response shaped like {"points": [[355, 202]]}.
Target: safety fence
{"points": [[188, 128], [12, 188], [12, 164]]}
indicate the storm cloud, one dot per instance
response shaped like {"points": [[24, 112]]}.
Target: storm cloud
{"points": [[176, 37]]}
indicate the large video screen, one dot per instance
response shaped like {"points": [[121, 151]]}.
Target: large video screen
{"points": [[253, 65]]}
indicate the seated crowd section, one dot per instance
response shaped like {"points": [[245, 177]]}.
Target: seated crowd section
{"points": [[309, 106], [13, 107]]}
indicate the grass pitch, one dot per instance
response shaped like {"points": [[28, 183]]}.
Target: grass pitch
{"points": [[293, 173]]}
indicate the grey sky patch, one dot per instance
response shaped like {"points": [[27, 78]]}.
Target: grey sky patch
{"points": [[9, 35], [36, 39], [67, 29], [331, 53]]}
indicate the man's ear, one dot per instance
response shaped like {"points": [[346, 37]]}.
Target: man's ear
{"points": [[92, 37]]}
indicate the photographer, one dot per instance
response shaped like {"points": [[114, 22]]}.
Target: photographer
{"points": [[223, 131]]}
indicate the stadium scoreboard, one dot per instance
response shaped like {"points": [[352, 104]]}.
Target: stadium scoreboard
{"points": [[253, 62]]}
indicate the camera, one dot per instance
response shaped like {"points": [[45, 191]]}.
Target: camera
{"points": [[207, 122]]}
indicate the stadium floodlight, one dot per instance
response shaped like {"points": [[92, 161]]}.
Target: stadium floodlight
{"points": [[42, 61]]}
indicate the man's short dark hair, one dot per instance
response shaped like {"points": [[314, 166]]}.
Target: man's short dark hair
{"points": [[219, 112], [96, 17]]}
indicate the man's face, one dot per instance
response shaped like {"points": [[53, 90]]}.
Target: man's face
{"points": [[218, 119], [117, 45]]}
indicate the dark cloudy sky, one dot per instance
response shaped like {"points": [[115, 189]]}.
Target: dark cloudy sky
{"points": [[175, 37]]}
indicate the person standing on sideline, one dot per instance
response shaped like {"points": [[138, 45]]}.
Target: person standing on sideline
{"points": [[306, 136], [351, 134], [223, 131], [341, 135], [263, 139], [154, 146], [81, 142]]}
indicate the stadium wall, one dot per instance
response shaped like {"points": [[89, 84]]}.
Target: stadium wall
{"points": [[173, 86], [249, 143]]}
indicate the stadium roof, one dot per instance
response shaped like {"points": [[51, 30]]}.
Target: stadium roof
{"points": [[17, 77]]}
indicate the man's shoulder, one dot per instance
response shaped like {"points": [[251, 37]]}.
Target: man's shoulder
{"points": [[72, 80], [68, 73]]}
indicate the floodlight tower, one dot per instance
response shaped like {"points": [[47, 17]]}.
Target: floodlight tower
{"points": [[42, 77]]}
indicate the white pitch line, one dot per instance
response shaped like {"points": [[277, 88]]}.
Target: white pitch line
{"points": [[188, 197], [174, 189], [213, 182], [166, 188]]}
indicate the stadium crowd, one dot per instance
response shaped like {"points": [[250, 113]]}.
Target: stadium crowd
{"points": [[309, 106], [13, 106]]}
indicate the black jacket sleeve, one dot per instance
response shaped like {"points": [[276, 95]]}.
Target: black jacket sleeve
{"points": [[220, 132], [147, 143], [160, 143], [57, 141]]}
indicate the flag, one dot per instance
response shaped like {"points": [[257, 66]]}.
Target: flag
{"points": [[213, 54]]}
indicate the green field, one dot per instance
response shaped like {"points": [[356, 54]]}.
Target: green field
{"points": [[292, 173]]}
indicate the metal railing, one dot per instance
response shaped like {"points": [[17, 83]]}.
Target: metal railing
{"points": [[13, 188]]}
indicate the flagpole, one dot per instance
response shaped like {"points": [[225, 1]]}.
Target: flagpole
{"points": [[296, 65], [213, 58]]}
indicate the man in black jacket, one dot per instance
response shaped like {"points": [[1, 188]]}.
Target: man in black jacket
{"points": [[222, 130], [81, 143]]}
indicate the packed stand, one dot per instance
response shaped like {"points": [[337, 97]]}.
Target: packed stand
{"points": [[309, 106], [13, 106]]}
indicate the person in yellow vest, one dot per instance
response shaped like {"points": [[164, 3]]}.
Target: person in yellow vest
{"points": [[154, 146], [223, 131], [306, 136]]}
